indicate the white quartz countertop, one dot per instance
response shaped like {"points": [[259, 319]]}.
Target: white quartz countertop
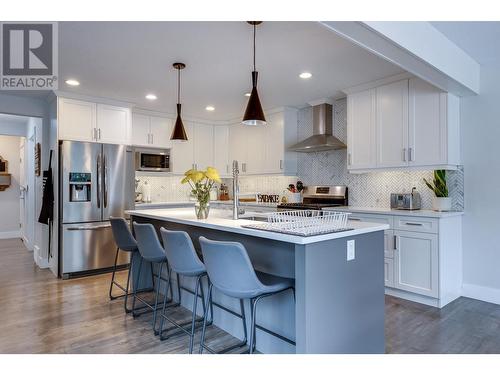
{"points": [[388, 211], [222, 220]]}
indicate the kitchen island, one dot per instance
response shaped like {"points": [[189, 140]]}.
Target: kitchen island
{"points": [[339, 303]]}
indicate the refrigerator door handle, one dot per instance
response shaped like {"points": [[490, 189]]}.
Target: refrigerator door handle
{"points": [[98, 192], [105, 182], [90, 228]]}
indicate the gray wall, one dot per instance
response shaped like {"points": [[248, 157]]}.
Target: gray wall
{"points": [[480, 126]]}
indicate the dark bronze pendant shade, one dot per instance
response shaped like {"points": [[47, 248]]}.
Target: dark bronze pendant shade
{"points": [[179, 133], [254, 115]]}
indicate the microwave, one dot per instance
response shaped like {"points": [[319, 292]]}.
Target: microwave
{"points": [[152, 160]]}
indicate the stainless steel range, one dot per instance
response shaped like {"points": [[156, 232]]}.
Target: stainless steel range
{"points": [[319, 197]]}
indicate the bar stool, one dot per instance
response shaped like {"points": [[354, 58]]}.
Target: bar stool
{"points": [[184, 261], [124, 242], [231, 272], [151, 251]]}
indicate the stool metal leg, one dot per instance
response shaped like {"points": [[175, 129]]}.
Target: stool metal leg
{"points": [[193, 321], [127, 310], [111, 297], [244, 319], [156, 295], [136, 288], [178, 288], [202, 340], [165, 297]]}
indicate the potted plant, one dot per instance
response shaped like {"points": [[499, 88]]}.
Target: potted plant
{"points": [[201, 183], [441, 200]]}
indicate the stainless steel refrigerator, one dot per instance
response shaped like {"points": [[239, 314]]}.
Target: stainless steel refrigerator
{"points": [[96, 181]]}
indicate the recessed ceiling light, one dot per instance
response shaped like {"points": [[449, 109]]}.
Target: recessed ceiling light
{"points": [[305, 75], [247, 94], [210, 108], [72, 82], [151, 97]]}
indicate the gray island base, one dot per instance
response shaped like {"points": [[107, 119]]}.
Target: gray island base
{"points": [[339, 304]]}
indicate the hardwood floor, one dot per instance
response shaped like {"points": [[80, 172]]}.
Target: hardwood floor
{"points": [[42, 314]]}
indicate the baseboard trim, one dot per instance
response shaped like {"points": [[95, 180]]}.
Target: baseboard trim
{"points": [[482, 293], [7, 235]]}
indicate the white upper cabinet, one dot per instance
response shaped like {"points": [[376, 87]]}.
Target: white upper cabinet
{"points": [[151, 131], [76, 120], [263, 149], [392, 124], [433, 131], [411, 124], [113, 124], [238, 146], [203, 146], [90, 122], [182, 154], [361, 137], [221, 150], [161, 130], [141, 130]]}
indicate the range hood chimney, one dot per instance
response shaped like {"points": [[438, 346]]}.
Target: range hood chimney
{"points": [[322, 138]]}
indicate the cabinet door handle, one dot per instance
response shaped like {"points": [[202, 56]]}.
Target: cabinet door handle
{"points": [[414, 224], [152, 138], [404, 154], [227, 168], [99, 133], [354, 219], [281, 164], [410, 156], [349, 158], [395, 242], [243, 167]]}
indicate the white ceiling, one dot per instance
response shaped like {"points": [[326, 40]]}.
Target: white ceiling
{"points": [[127, 60], [478, 39]]}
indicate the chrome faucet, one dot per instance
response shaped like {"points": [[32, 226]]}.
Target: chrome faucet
{"points": [[236, 191]]}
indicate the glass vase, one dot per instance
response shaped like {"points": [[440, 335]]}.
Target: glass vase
{"points": [[201, 210]]}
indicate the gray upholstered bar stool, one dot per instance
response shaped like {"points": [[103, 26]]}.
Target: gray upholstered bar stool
{"points": [[184, 261], [231, 272], [125, 241], [151, 251]]}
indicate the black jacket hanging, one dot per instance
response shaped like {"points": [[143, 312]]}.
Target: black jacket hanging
{"points": [[47, 211]]}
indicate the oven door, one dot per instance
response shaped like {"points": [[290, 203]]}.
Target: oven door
{"points": [[154, 161]]}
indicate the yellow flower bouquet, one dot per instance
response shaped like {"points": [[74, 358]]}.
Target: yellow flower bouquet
{"points": [[201, 183]]}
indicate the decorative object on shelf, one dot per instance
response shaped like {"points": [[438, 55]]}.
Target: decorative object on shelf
{"points": [[223, 192], [4, 165], [38, 159], [179, 133], [201, 183], [5, 178], [254, 115], [441, 200]]}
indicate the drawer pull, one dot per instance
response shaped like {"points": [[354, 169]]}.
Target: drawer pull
{"points": [[414, 224], [395, 242], [354, 219]]}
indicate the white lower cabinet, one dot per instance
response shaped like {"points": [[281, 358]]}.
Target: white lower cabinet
{"points": [[389, 272], [416, 263], [422, 256]]}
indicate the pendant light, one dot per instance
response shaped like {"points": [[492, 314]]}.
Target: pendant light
{"points": [[254, 115], [179, 133]]}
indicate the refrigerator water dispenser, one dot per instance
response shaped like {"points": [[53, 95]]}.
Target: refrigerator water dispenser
{"points": [[80, 187]]}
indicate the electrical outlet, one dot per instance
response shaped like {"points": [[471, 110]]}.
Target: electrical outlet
{"points": [[351, 252]]}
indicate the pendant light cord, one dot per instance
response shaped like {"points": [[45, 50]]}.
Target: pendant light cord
{"points": [[254, 47], [178, 86]]}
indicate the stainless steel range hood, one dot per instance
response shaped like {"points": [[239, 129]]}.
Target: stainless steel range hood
{"points": [[322, 139]]}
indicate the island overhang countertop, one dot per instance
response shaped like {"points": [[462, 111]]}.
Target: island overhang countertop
{"points": [[222, 220]]}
